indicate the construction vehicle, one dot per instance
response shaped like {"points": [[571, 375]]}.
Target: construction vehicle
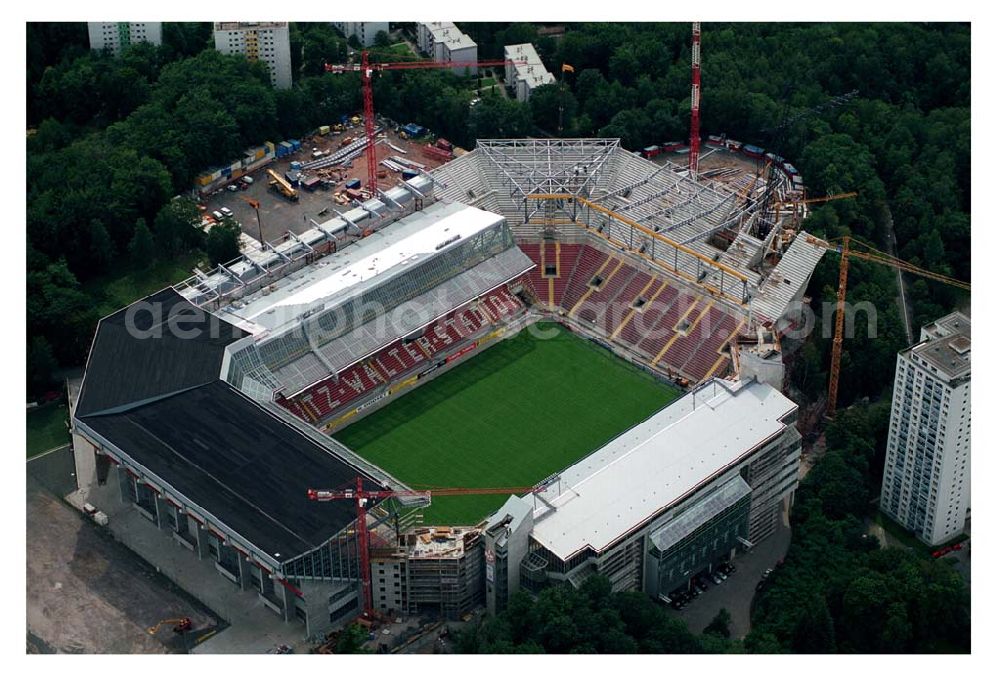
{"points": [[362, 496], [367, 69], [181, 625], [279, 183], [872, 254]]}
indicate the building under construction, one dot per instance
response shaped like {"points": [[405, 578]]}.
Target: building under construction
{"points": [[211, 436]]}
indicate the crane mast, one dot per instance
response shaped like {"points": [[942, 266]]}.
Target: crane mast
{"points": [[367, 69], [361, 496], [695, 143]]}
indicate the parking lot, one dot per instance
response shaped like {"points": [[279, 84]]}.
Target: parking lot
{"points": [[736, 593], [278, 214]]}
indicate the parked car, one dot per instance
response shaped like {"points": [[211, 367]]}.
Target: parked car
{"points": [[247, 180], [716, 578], [217, 214], [721, 574], [700, 584], [226, 211], [232, 188], [767, 572]]}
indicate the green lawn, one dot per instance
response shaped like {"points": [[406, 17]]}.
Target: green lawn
{"points": [[522, 410], [47, 428]]}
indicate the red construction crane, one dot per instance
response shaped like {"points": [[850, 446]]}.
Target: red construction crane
{"points": [[367, 69], [695, 143], [361, 496]]}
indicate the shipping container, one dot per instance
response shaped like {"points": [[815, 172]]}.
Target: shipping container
{"points": [[296, 164], [270, 147], [650, 152], [789, 169], [753, 151], [408, 174], [227, 171], [353, 184], [296, 144], [324, 130], [205, 179]]}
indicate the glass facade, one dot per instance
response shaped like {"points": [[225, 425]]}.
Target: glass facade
{"points": [[396, 289], [699, 537]]}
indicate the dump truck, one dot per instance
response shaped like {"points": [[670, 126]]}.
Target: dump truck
{"points": [[279, 183]]}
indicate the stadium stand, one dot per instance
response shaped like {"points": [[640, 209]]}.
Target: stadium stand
{"points": [[675, 330], [325, 399]]}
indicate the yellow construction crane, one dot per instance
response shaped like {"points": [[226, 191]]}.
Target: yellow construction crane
{"points": [[871, 254]]}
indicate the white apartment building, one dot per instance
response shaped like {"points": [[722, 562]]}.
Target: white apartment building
{"points": [[117, 35], [524, 77], [265, 41], [364, 31], [926, 482], [445, 42]]}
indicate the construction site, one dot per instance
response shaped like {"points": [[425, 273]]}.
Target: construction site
{"points": [[686, 262]]}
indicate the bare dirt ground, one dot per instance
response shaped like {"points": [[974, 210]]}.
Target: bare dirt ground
{"points": [[87, 593]]}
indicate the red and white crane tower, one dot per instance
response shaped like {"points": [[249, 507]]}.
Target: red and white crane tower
{"points": [[367, 69], [695, 144], [362, 496]]}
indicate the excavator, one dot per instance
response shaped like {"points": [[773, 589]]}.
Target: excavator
{"points": [[181, 625]]}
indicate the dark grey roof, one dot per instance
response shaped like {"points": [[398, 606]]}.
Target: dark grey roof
{"points": [[158, 346], [239, 462]]}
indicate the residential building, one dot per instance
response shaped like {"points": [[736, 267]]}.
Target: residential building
{"points": [[117, 35], [265, 41], [445, 42], [528, 73], [364, 31], [926, 481]]}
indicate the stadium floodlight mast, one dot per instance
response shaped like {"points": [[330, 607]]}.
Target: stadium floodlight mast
{"points": [[362, 496], [367, 69]]}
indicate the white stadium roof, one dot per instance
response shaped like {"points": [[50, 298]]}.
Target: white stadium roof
{"points": [[650, 467], [322, 285]]}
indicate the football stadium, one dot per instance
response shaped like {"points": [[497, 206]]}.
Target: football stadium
{"points": [[547, 332]]}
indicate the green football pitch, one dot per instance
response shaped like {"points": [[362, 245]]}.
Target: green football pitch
{"points": [[523, 409]]}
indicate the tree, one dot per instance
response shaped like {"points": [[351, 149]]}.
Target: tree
{"points": [[223, 243], [720, 624], [382, 39], [499, 118], [41, 366], [352, 640], [814, 632], [545, 105], [176, 227], [141, 249]]}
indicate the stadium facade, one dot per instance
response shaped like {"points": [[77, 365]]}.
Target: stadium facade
{"points": [[206, 408]]}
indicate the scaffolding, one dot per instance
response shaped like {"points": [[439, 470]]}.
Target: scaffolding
{"points": [[711, 232]]}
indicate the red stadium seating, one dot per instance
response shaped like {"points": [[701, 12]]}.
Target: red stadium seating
{"points": [[693, 353], [322, 400]]}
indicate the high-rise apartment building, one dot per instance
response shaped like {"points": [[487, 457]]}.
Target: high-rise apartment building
{"points": [[265, 41], [364, 31], [926, 481], [117, 35]]}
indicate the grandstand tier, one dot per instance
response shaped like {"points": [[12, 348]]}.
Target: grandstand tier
{"points": [[404, 357], [635, 306]]}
